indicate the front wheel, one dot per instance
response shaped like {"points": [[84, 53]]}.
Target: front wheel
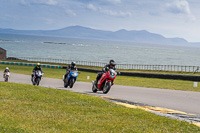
{"points": [[71, 83], [34, 83], [6, 78], [37, 81], [107, 87], [65, 84]]}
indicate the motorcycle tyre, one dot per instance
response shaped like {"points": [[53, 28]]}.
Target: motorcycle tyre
{"points": [[94, 89], [71, 83], [107, 87], [65, 84], [34, 83], [38, 81], [6, 78]]}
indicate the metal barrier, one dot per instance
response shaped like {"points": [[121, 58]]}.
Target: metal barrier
{"points": [[62, 61], [147, 75], [151, 75], [177, 68]]}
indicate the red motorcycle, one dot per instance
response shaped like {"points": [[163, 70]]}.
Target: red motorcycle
{"points": [[106, 81]]}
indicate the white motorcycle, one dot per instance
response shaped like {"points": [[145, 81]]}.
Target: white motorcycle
{"points": [[6, 76], [37, 76]]}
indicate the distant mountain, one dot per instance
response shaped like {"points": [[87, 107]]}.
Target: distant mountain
{"points": [[141, 36]]}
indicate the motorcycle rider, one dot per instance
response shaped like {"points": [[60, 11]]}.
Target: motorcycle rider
{"points": [[72, 66], [37, 67], [111, 65], [6, 70]]}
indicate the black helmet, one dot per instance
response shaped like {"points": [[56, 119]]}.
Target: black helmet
{"points": [[73, 63], [112, 62]]}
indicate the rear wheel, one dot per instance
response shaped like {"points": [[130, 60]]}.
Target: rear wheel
{"points": [[107, 87]]}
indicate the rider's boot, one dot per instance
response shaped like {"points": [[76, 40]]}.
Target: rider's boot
{"points": [[95, 82], [65, 77]]}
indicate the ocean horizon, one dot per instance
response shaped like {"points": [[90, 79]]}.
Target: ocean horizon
{"points": [[99, 50]]}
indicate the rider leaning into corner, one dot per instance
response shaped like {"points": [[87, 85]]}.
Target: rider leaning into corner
{"points": [[37, 67], [72, 66], [111, 65]]}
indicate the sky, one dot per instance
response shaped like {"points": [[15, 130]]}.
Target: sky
{"points": [[170, 18]]}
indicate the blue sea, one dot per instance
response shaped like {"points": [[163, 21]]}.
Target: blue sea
{"points": [[99, 50]]}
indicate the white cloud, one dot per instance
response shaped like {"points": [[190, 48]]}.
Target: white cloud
{"points": [[108, 11], [114, 1], [23, 2], [51, 2], [115, 13], [45, 2], [180, 7], [92, 7], [70, 12]]}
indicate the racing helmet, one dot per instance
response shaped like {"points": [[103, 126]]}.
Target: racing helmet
{"points": [[7, 68], [112, 63], [38, 65], [73, 63]]}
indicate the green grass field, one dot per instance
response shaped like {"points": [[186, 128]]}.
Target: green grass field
{"points": [[120, 80], [26, 108]]}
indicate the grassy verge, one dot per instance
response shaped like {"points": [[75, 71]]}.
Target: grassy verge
{"points": [[157, 83], [26, 108], [120, 80]]}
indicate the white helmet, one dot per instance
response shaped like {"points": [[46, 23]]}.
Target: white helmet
{"points": [[7, 68]]}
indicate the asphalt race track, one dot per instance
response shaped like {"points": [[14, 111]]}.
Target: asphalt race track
{"points": [[185, 101]]}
